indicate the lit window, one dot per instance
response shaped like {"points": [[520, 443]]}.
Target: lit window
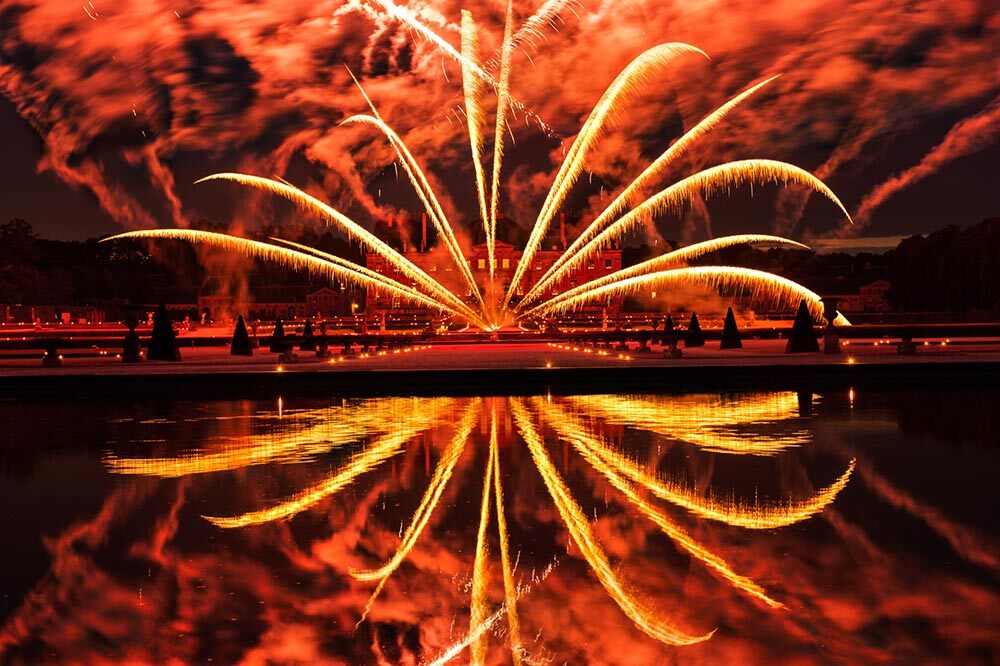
{"points": [[481, 264], [505, 263]]}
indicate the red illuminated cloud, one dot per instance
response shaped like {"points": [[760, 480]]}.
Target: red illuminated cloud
{"points": [[125, 94]]}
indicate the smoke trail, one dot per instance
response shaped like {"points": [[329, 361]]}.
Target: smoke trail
{"points": [[967, 136]]}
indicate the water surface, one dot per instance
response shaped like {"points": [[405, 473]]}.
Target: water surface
{"points": [[607, 529]]}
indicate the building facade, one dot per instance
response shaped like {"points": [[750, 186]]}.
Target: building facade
{"points": [[441, 267], [870, 298]]}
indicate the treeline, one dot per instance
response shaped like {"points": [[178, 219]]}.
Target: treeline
{"points": [[950, 270], [953, 269], [38, 271]]}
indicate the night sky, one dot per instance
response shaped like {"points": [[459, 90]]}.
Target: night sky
{"points": [[110, 111]]}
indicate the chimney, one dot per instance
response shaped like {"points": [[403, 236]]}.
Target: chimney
{"points": [[423, 232], [562, 229], [401, 225]]}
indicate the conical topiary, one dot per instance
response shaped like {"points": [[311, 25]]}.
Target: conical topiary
{"points": [[669, 335], [694, 337], [162, 341], [730, 333], [308, 342], [241, 346], [131, 347], [279, 343], [803, 337]]}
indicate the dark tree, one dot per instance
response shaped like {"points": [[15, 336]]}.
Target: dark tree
{"points": [[802, 337], [694, 337], [730, 333], [241, 346], [163, 341], [279, 342], [308, 342]]}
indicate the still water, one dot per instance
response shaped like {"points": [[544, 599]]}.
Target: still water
{"points": [[844, 527]]}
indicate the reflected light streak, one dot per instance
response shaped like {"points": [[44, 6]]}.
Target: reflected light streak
{"points": [[713, 423], [303, 436], [583, 444], [509, 585], [479, 607], [756, 516], [647, 620], [428, 503], [376, 453]]}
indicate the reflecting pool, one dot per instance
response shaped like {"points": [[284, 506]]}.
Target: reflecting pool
{"points": [[849, 526]]}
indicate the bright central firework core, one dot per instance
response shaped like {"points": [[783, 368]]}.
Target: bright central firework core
{"points": [[535, 283]]}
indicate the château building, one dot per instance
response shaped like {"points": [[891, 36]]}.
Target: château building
{"points": [[439, 265]]}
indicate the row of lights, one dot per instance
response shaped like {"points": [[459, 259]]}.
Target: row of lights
{"points": [[364, 355], [587, 350]]}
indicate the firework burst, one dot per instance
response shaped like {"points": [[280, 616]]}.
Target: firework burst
{"points": [[491, 305]]}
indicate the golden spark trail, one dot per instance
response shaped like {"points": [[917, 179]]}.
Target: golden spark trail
{"points": [[762, 286], [428, 503], [582, 444], [426, 194], [353, 231], [675, 259], [509, 585], [382, 449], [649, 174], [332, 258], [479, 609], [731, 512], [411, 20], [473, 90], [547, 14], [531, 30], [576, 522], [292, 259], [706, 184], [629, 81], [503, 102]]}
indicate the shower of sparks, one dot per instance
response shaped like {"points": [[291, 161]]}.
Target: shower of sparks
{"points": [[626, 213]]}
